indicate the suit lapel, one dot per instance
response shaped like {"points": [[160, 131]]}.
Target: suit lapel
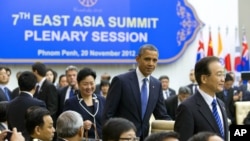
{"points": [[206, 112], [224, 116], [64, 93], [2, 95], [169, 92], [136, 91], [152, 96]]}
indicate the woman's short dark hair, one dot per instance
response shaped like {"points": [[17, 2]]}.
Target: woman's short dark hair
{"points": [[83, 73], [104, 83], [114, 127], [161, 136], [202, 136]]}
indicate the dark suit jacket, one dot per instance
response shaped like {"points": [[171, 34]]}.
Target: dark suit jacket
{"points": [[16, 92], [73, 103], [229, 103], [171, 92], [190, 86], [245, 92], [3, 97], [48, 94], [194, 115], [124, 100], [61, 93], [16, 110], [97, 89], [171, 105]]}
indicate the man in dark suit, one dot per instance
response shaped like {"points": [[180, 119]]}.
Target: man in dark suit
{"points": [[3, 115], [17, 107], [167, 92], [129, 91], [39, 124], [46, 91], [193, 85], [65, 92], [5, 93], [244, 92], [203, 111], [227, 97], [173, 102]]}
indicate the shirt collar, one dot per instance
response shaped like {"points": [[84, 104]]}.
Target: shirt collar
{"points": [[27, 93], [41, 82], [209, 99], [140, 75]]}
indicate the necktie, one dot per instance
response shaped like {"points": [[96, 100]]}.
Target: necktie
{"points": [[167, 94], [37, 91], [194, 88], [225, 95], [144, 97], [217, 117], [71, 93], [6, 93]]}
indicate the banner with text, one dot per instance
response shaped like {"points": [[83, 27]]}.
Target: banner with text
{"points": [[94, 31]]}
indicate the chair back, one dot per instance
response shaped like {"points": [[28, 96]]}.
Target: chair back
{"points": [[162, 125], [241, 110]]}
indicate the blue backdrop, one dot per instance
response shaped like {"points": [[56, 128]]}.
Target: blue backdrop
{"points": [[94, 31]]}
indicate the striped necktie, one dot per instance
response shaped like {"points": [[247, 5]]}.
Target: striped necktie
{"points": [[217, 118]]}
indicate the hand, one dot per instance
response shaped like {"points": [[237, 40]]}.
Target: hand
{"points": [[3, 134], [16, 136], [240, 95], [87, 124]]}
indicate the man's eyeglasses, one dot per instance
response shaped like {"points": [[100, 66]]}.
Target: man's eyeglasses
{"points": [[131, 139]]}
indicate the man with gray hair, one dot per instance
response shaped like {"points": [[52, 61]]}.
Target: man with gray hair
{"points": [[174, 101], [70, 90], [69, 126]]}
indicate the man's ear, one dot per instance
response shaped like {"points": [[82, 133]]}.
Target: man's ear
{"points": [[37, 130], [81, 132], [204, 79]]}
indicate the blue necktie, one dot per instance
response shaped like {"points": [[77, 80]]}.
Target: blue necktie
{"points": [[71, 93], [6, 93], [144, 97], [217, 118], [225, 95]]}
